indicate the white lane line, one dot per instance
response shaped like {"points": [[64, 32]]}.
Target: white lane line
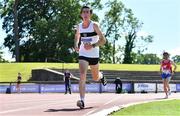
{"points": [[93, 110], [30, 101], [33, 107], [90, 112], [105, 112], [112, 100]]}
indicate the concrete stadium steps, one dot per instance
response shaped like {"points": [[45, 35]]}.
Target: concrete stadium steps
{"points": [[48, 75], [125, 75]]}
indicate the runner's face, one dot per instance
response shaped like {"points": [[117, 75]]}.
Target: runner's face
{"points": [[166, 56], [86, 14]]}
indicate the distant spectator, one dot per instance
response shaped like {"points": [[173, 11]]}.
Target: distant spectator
{"points": [[67, 77], [19, 78], [118, 83]]}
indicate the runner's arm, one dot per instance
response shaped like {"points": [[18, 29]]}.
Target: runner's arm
{"points": [[175, 66], [161, 67], [102, 39], [71, 75], [76, 39], [64, 78]]}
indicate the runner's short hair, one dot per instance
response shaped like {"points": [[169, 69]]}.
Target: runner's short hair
{"points": [[91, 11], [165, 53]]}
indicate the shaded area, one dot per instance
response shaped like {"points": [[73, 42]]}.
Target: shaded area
{"points": [[67, 109]]}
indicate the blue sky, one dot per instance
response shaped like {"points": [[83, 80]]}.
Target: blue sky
{"points": [[161, 19]]}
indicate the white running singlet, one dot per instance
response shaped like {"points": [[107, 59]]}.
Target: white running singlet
{"points": [[88, 35]]}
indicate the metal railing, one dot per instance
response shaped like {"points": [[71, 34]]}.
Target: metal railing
{"points": [[42, 83], [58, 60]]}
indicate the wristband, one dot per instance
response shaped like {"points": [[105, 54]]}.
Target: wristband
{"points": [[93, 45]]}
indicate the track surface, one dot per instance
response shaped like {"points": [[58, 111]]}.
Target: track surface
{"points": [[58, 104]]}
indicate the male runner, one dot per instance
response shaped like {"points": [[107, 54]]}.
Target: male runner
{"points": [[90, 36]]}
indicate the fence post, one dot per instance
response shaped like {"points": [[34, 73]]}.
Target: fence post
{"points": [[133, 91], [156, 88], [39, 87], [10, 87], [100, 88]]}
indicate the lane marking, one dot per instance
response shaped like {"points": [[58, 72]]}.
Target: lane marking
{"points": [[33, 107], [90, 112], [105, 112], [112, 100]]}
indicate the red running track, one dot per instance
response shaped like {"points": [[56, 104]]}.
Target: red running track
{"points": [[58, 104]]}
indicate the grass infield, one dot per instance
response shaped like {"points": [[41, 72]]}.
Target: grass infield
{"points": [[158, 108], [8, 71]]}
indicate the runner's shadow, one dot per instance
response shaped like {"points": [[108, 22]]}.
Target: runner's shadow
{"points": [[67, 109], [159, 98]]}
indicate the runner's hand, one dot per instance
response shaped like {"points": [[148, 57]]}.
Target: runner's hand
{"points": [[76, 48], [88, 46], [173, 72]]}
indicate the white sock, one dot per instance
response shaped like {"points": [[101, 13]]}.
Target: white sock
{"points": [[82, 98], [100, 75]]}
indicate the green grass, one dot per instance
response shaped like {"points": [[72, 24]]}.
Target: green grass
{"points": [[8, 71], [165, 108]]}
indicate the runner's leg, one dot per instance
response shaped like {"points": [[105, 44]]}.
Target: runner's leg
{"points": [[83, 66]]}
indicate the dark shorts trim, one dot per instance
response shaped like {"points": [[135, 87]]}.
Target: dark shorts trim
{"points": [[91, 61], [18, 82], [88, 34]]}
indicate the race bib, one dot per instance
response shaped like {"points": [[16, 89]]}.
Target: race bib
{"points": [[166, 71], [86, 40]]}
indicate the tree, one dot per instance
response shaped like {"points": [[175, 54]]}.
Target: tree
{"points": [[176, 59], [1, 58], [45, 28], [15, 29], [95, 4], [112, 24], [131, 25], [120, 23], [106, 54], [1, 55], [145, 58]]}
